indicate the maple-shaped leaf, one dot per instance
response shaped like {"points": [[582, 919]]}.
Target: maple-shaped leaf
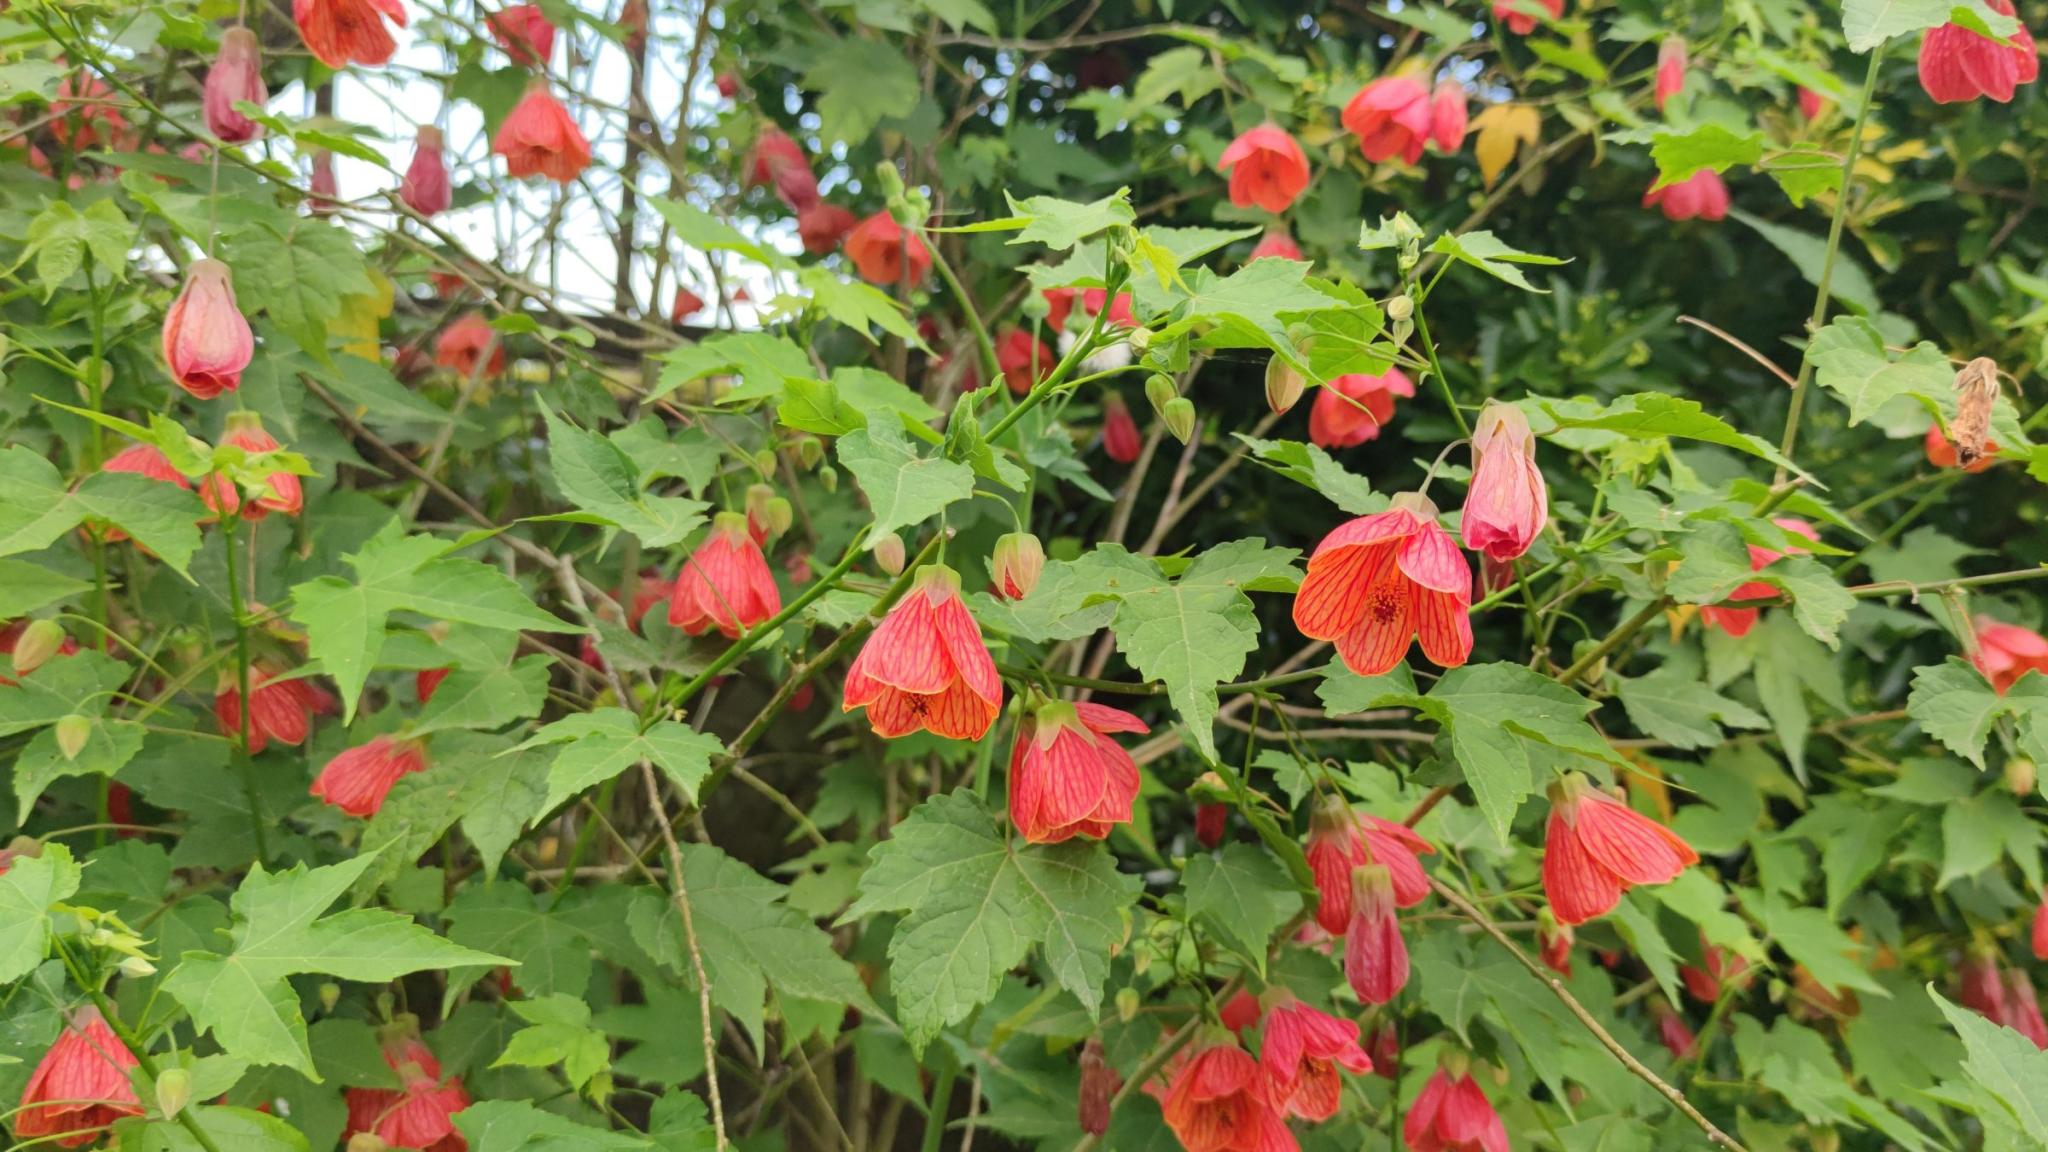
{"points": [[599, 745]]}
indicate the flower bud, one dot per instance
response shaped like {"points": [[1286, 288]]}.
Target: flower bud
{"points": [[236, 76], [889, 555], [1016, 564], [780, 516], [135, 967], [207, 341], [889, 180], [1127, 1003], [330, 995], [828, 479], [366, 1142], [810, 452], [1508, 502], [1825, 1140], [1401, 308], [1161, 392], [1179, 415], [1211, 822], [1283, 385], [39, 640], [758, 498], [2020, 777], [1140, 339], [425, 188], [72, 733], [173, 1089]]}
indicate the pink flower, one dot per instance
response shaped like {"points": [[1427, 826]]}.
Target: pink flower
{"points": [[1060, 304], [1957, 65], [1351, 410], [1341, 841], [1267, 168], [725, 583], [883, 253], [425, 188], [356, 781], [1596, 848], [1375, 955], [1379, 581], [822, 226], [1508, 502], [686, 305], [236, 76], [1521, 23], [780, 161], [1395, 116], [1453, 1115], [1718, 967], [1701, 196], [540, 138], [1447, 116], [283, 710], [926, 666], [2006, 652], [2040, 933], [2022, 1010], [1673, 1032], [525, 34], [1120, 438], [80, 1086], [1738, 621], [1277, 243], [1671, 64], [1024, 360], [1067, 776], [283, 493], [1812, 104], [1300, 1051], [419, 1114], [344, 32], [207, 341], [321, 189], [1554, 940], [462, 345]]}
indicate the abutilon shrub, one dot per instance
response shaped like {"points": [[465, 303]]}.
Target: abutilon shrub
{"points": [[1241, 577]]}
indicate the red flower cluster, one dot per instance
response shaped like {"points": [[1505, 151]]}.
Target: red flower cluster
{"points": [[1396, 115]]}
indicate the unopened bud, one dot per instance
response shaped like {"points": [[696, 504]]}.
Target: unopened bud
{"points": [[1283, 385], [2020, 776], [330, 995], [1140, 339], [810, 452], [1016, 564], [39, 641], [173, 1091], [1455, 1062], [889, 555], [1401, 308], [1161, 392], [758, 496], [890, 180], [367, 1142], [780, 516], [72, 733], [1826, 1140], [135, 967], [1127, 1003], [764, 461], [1179, 415]]}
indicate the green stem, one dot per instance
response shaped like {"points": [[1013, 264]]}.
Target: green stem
{"points": [[991, 367], [582, 844], [246, 706], [1436, 370], [1044, 389], [1615, 639], [935, 1112], [1821, 294]]}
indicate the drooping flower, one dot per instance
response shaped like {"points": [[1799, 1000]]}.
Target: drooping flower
{"points": [[1379, 581], [1241, 1011], [236, 76], [1718, 968], [420, 1113], [2040, 933], [1702, 196], [80, 1086], [86, 114], [1266, 167], [2006, 652], [1351, 410], [357, 780], [1672, 61], [822, 226], [1386, 1052], [1941, 452], [1213, 1104], [2022, 1009], [1023, 359], [462, 347], [1957, 65], [1673, 1032], [1341, 840], [726, 582], [283, 709], [1508, 503], [29, 644], [1447, 116], [1522, 23], [1375, 954], [1811, 103], [283, 492], [1016, 564], [883, 253], [1554, 943], [148, 460], [1396, 115], [1453, 1115], [207, 341], [1737, 622], [1212, 821], [1276, 243], [344, 32], [525, 34], [633, 18], [1068, 777], [926, 666], [1979, 988], [1596, 848], [778, 160], [425, 188], [728, 85], [322, 190], [540, 138], [1120, 437], [1300, 1052]]}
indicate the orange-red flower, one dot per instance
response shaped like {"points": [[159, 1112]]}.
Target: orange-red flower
{"points": [[1276, 243], [822, 226], [1060, 303], [417, 1115], [2022, 1010], [725, 584], [1379, 581], [1267, 168], [1554, 941], [1811, 103], [2006, 652], [461, 347], [780, 161], [1067, 776], [883, 253], [1671, 65], [1340, 841], [283, 710], [1672, 1031], [1211, 822], [1015, 565], [540, 138], [687, 304], [344, 32], [1718, 967], [207, 341], [1941, 452], [1957, 65], [1396, 115], [1241, 1011], [86, 115], [1214, 1103], [926, 666], [148, 460], [1522, 23], [1120, 438], [236, 75], [525, 34], [1508, 502], [728, 85], [357, 780], [80, 1086], [1701, 196], [321, 188], [1023, 359], [1738, 621], [1300, 1051], [2040, 933], [1453, 1115], [1375, 955], [284, 494], [1597, 848], [1447, 116], [1350, 410], [425, 188]]}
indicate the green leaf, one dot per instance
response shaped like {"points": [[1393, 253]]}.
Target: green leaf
{"points": [[37, 508], [244, 997], [699, 229], [1682, 711], [1244, 309], [974, 904], [298, 275], [25, 587], [1243, 894], [1849, 283], [242, 1129], [60, 236], [858, 305], [1810, 938], [606, 742], [902, 487], [1503, 719], [1308, 464], [598, 476], [2005, 1064], [1868, 23], [1956, 705], [1850, 359], [27, 890], [1489, 254], [1061, 224], [108, 745], [861, 82], [1656, 415], [64, 685], [518, 1126], [558, 1032], [1977, 831], [1819, 602], [1708, 147], [489, 697], [815, 406]]}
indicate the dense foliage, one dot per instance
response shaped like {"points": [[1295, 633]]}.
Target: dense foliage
{"points": [[671, 574]]}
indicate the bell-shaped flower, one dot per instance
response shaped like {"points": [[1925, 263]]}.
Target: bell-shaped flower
{"points": [[1672, 61], [779, 161], [1267, 168], [883, 253], [540, 138], [1738, 621], [1121, 440], [2006, 652], [419, 1114], [2022, 1009], [1392, 116], [207, 341], [1508, 502], [1277, 244], [1016, 564], [1448, 116], [282, 490], [79, 1087], [1957, 65], [1350, 410], [1215, 1103], [1341, 840], [1380, 581], [1023, 359], [469, 345], [822, 226], [926, 666], [524, 33], [357, 780], [1554, 943], [235, 77], [425, 188], [215, 492], [1718, 968], [1301, 1050], [726, 583], [1701, 196], [344, 32], [1596, 848], [283, 710], [1068, 777], [1375, 954], [1453, 1115]]}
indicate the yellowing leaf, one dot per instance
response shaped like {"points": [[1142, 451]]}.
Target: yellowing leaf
{"points": [[1503, 129]]}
